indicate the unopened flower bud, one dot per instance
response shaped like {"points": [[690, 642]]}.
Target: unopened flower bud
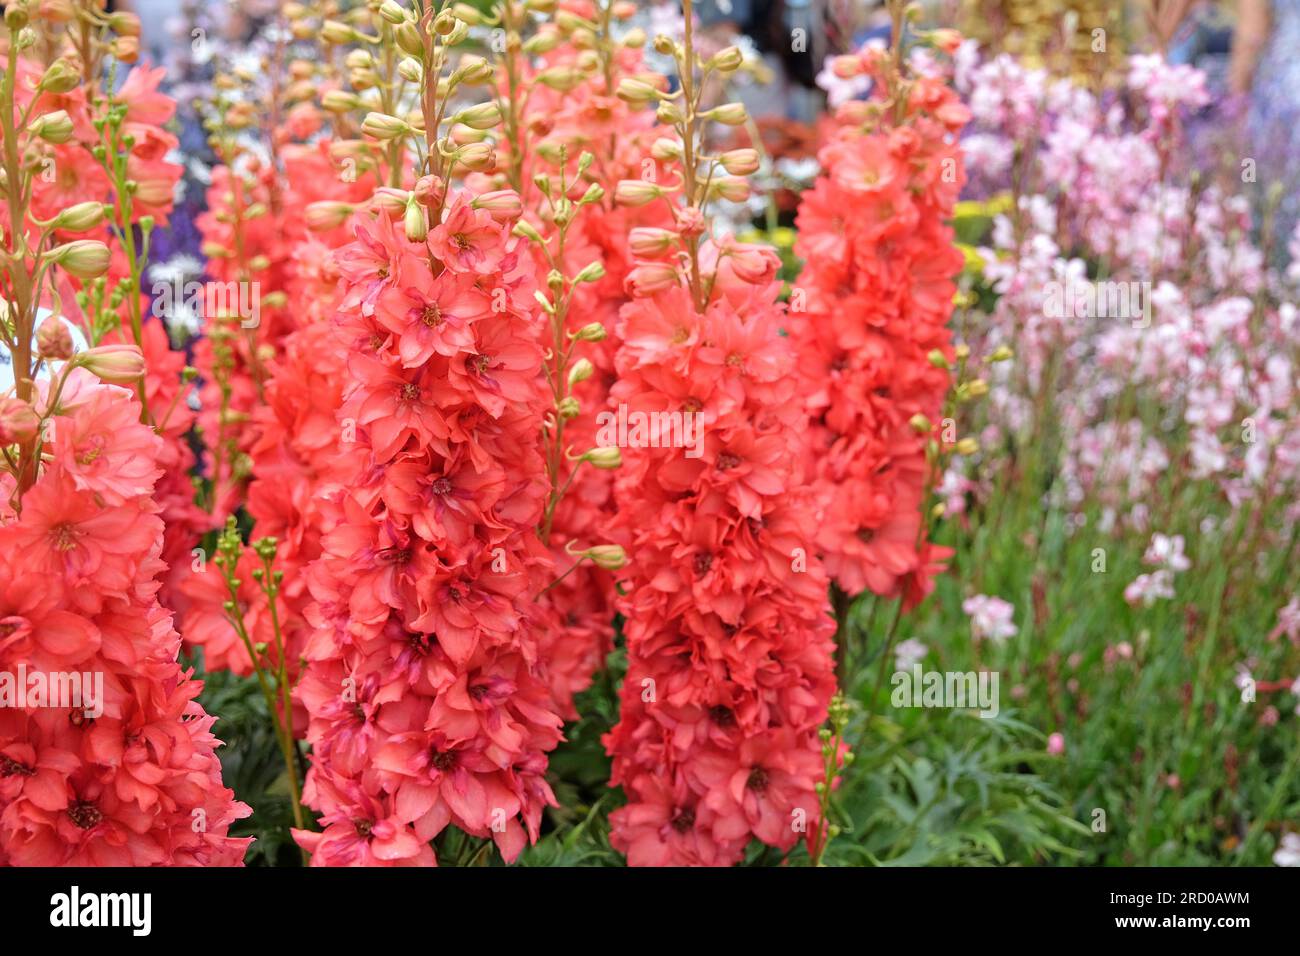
{"points": [[504, 205], [390, 200], [540, 44], [472, 71], [18, 421], [1002, 353], [636, 92], [740, 162], [920, 424], [327, 214], [415, 222], [568, 407], [581, 371], [669, 114], [340, 101], [592, 332], [936, 358], [650, 277], [408, 39], [605, 457], [525, 230], [83, 258], [476, 156], [727, 60], [636, 192], [467, 13], [381, 126], [409, 69], [649, 242], [55, 127], [59, 77], [393, 12], [335, 31], [481, 116], [53, 340], [79, 218], [115, 364], [124, 24], [15, 16], [666, 150], [608, 557], [593, 272], [560, 78], [728, 114], [967, 446], [730, 188]]}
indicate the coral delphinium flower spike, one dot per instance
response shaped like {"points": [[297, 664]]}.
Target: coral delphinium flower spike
{"points": [[727, 617], [114, 763], [423, 685], [874, 301]]}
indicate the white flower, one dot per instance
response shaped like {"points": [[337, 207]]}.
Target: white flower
{"points": [[1148, 588], [839, 90], [1166, 551], [1288, 854], [990, 618], [907, 653]]}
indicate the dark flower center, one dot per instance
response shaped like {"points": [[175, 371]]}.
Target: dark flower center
{"points": [[722, 716], [703, 561], [443, 760], [757, 780], [85, 815], [12, 768]]}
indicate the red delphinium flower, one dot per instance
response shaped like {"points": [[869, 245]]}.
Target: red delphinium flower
{"points": [[136, 780], [425, 691], [869, 312], [728, 631]]}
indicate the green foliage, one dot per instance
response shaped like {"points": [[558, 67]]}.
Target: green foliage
{"points": [[251, 765]]}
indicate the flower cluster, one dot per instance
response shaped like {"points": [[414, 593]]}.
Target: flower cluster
{"points": [[727, 625], [422, 684], [727, 622], [872, 309], [131, 778]]}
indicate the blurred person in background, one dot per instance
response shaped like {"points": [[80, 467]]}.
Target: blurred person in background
{"points": [[790, 36], [1265, 67]]}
